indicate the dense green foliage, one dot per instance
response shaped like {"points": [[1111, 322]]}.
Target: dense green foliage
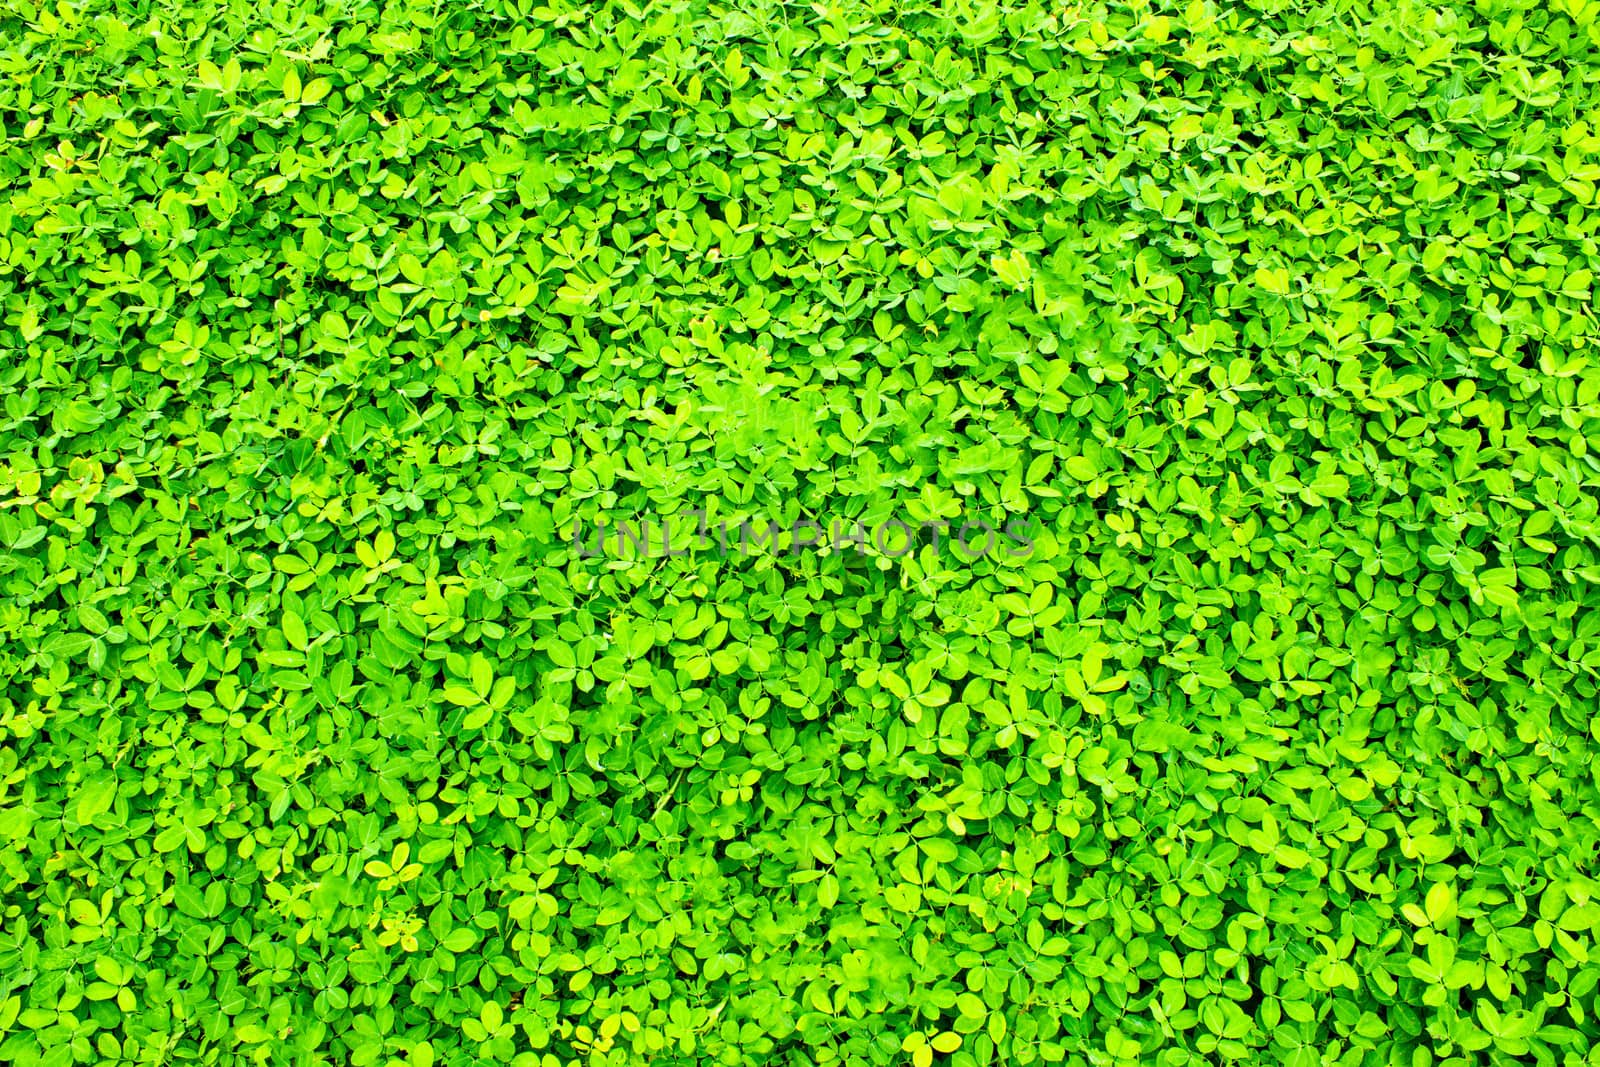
{"points": [[324, 326]]}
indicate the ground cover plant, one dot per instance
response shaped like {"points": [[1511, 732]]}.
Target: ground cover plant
{"points": [[1264, 332]]}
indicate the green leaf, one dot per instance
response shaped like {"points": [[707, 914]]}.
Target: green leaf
{"points": [[294, 631], [462, 696], [96, 798], [1440, 903]]}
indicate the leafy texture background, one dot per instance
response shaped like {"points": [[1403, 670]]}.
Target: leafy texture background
{"points": [[324, 325]]}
